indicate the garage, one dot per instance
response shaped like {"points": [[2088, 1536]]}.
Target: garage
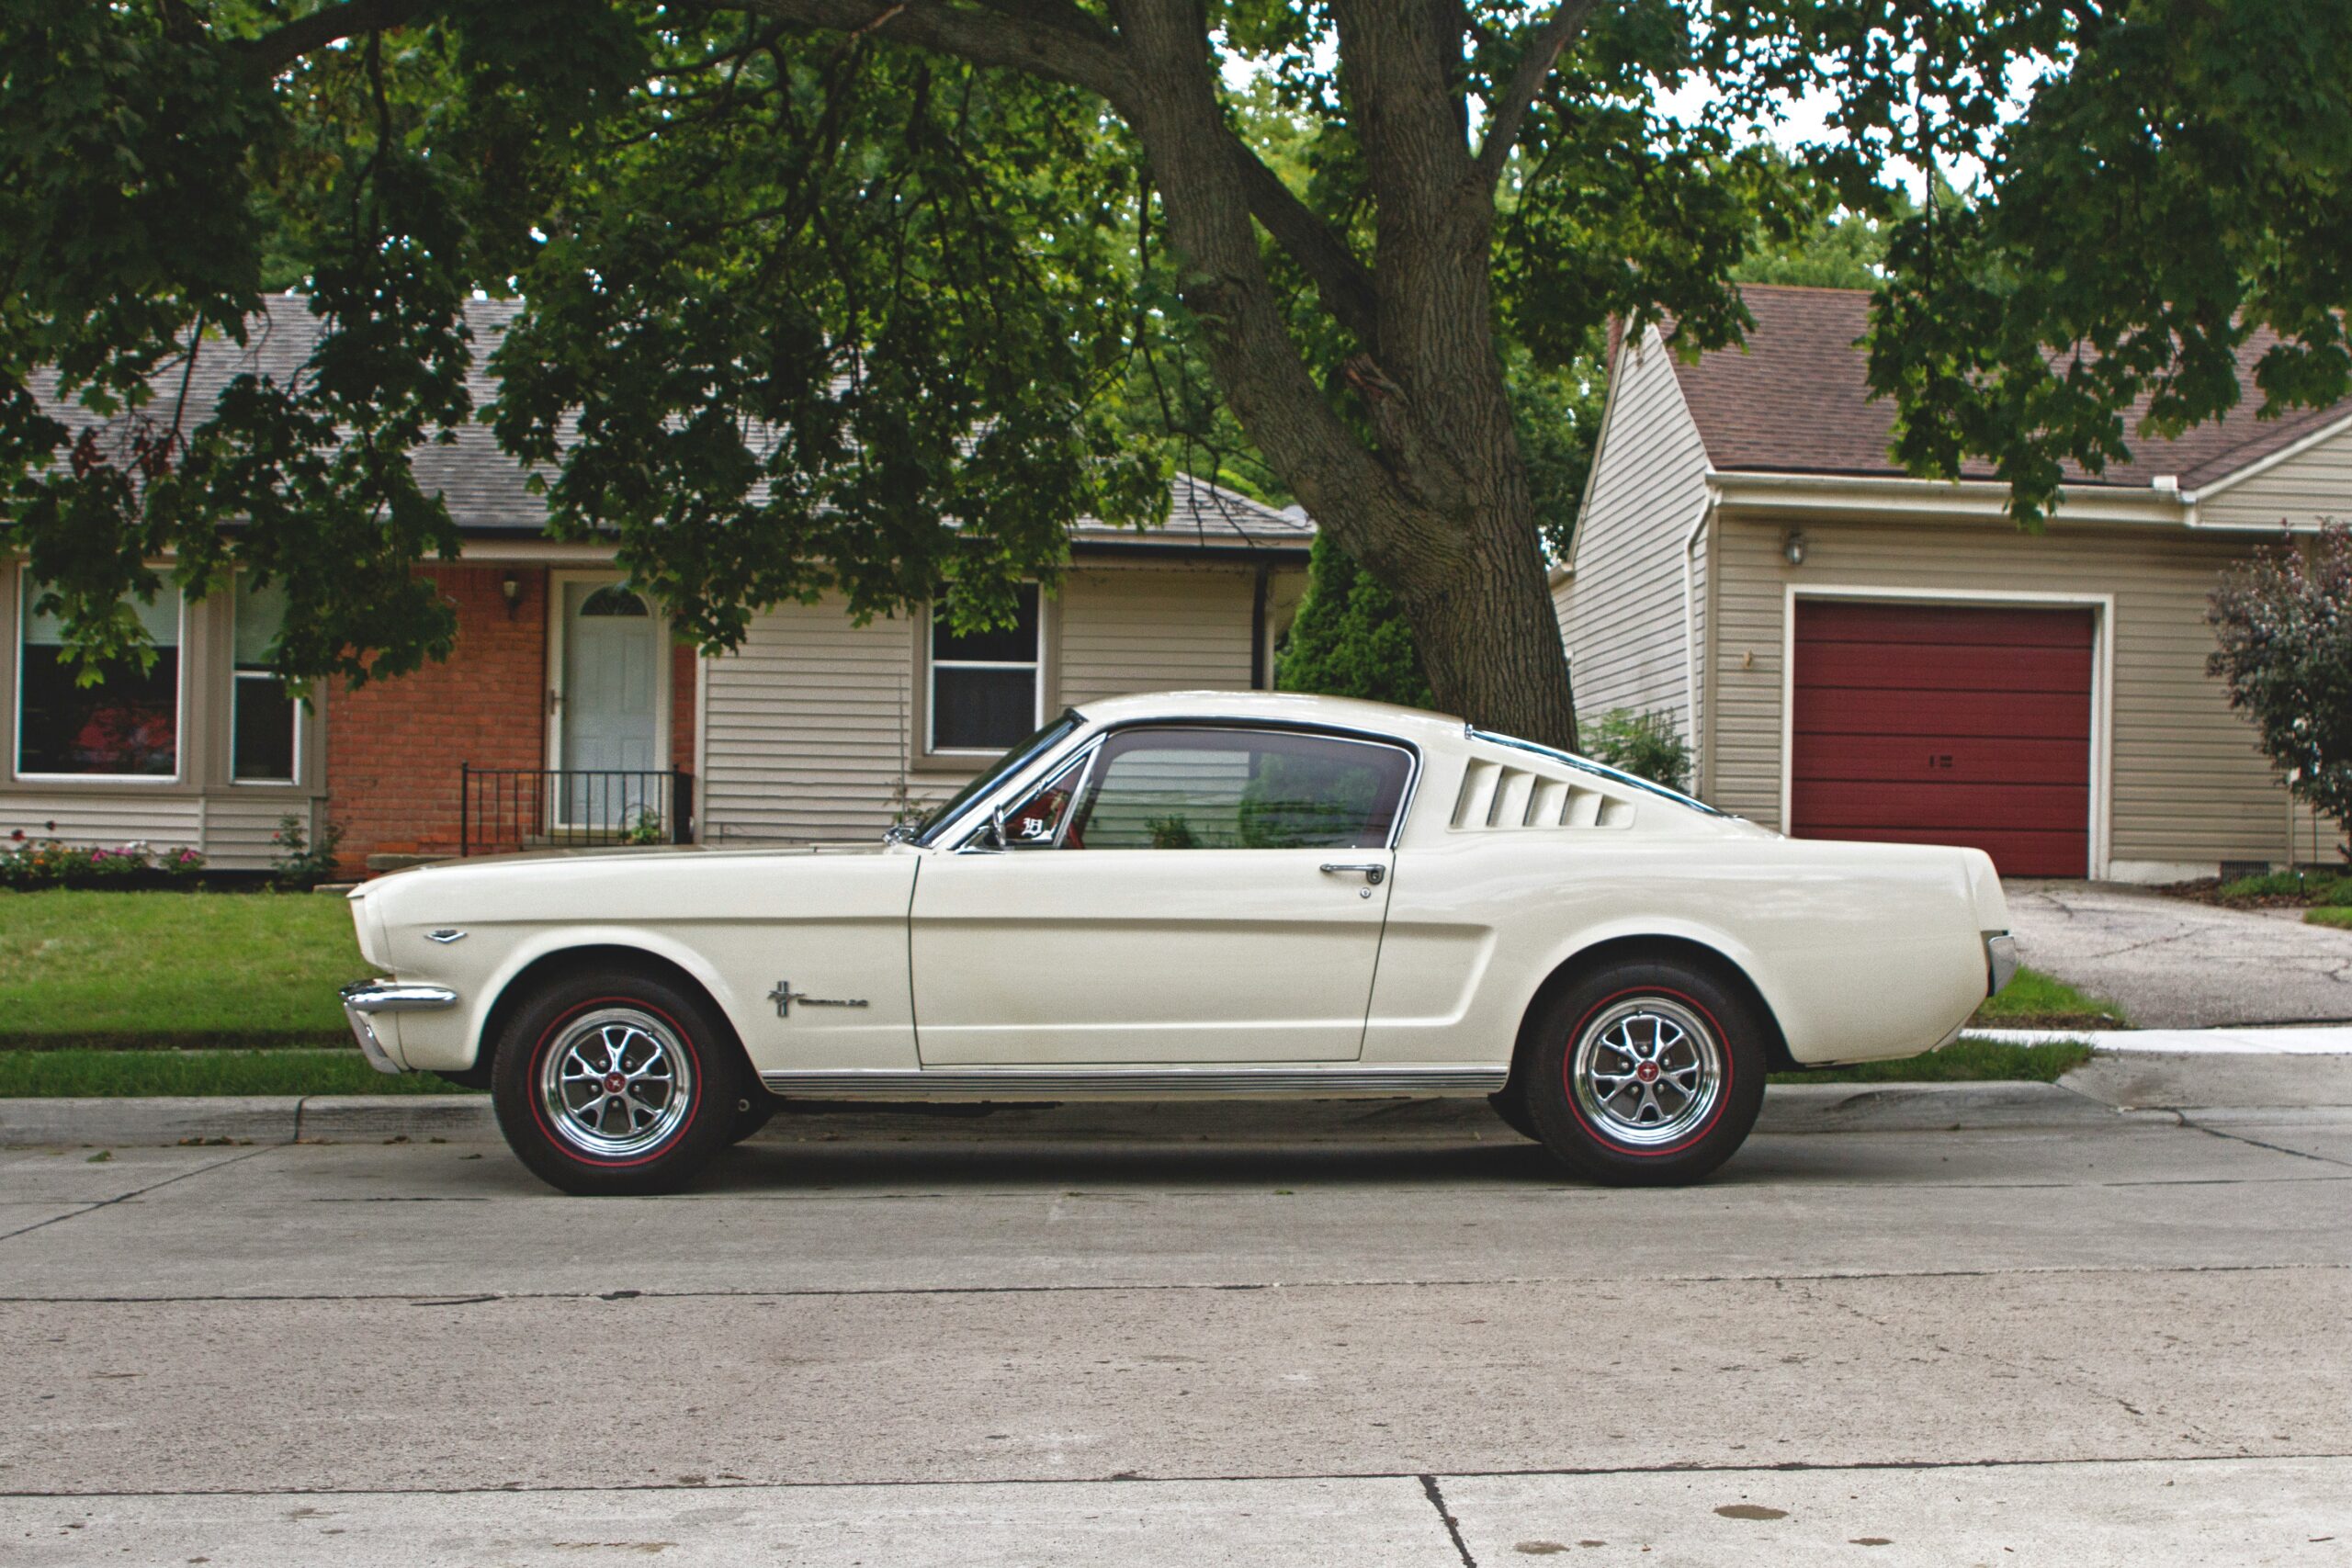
{"points": [[1919, 723]]}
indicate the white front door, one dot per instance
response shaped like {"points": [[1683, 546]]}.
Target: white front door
{"points": [[608, 714], [1187, 895]]}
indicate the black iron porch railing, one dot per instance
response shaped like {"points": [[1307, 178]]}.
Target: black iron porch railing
{"points": [[502, 809]]}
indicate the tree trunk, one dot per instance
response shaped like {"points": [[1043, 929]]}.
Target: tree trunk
{"points": [[1440, 512]]}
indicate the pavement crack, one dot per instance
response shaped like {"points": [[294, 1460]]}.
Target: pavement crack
{"points": [[1431, 1490], [2257, 1142], [136, 1192]]}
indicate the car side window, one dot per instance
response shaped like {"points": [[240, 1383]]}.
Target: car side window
{"points": [[1202, 788]]}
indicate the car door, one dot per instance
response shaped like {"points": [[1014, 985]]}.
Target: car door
{"points": [[1177, 894]]}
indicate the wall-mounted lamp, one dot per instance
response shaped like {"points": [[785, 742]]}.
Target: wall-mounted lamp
{"points": [[510, 588], [1793, 547]]}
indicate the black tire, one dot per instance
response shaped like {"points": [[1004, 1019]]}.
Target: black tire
{"points": [[1510, 1104], [1673, 1117], [647, 1020], [752, 1110]]}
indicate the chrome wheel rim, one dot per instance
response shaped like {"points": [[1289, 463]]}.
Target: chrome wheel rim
{"points": [[1646, 1071], [616, 1083]]}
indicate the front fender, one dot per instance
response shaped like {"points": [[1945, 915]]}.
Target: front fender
{"points": [[453, 1040]]}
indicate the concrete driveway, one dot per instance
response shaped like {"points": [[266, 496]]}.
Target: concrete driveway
{"points": [[2174, 964]]}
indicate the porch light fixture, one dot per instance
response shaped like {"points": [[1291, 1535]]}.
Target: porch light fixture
{"points": [[510, 588], [1793, 547]]}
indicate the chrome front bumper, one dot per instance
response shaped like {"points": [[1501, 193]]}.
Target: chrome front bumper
{"points": [[2001, 961], [363, 998]]}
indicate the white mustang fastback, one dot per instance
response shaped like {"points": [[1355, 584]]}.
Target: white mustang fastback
{"points": [[1368, 900]]}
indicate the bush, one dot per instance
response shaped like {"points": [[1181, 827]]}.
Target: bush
{"points": [[27, 863], [1646, 745], [2284, 622], [300, 865], [1350, 639]]}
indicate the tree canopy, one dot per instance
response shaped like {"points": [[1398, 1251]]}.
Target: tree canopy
{"points": [[863, 295]]}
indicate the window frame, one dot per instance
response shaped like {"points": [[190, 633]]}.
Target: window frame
{"points": [[237, 679], [928, 752], [1088, 754], [25, 587]]}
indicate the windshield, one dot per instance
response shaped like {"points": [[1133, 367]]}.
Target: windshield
{"points": [[1019, 756], [1602, 769]]}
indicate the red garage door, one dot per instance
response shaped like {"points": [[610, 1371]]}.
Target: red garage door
{"points": [[1938, 724]]}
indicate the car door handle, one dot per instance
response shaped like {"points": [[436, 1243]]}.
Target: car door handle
{"points": [[1373, 872]]}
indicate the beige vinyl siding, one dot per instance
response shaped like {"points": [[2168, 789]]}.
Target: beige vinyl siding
{"points": [[231, 834], [808, 724], [2187, 786], [1621, 613], [2312, 485], [1152, 629], [806, 729]]}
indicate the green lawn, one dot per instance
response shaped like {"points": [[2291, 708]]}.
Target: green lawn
{"points": [[103, 969], [71, 1073], [2330, 916], [2035, 1000], [2315, 886]]}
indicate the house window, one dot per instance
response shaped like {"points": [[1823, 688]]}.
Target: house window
{"points": [[265, 717], [984, 685], [127, 725]]}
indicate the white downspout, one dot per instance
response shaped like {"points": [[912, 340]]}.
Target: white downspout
{"points": [[1691, 633]]}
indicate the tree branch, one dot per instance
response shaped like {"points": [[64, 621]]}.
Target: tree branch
{"points": [[1339, 275], [1050, 41], [1508, 112], [281, 46]]}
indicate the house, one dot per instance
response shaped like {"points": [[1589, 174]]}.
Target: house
{"points": [[1852, 652], [567, 713]]}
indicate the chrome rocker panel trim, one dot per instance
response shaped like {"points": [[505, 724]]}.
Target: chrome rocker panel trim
{"points": [[362, 997], [1143, 1083]]}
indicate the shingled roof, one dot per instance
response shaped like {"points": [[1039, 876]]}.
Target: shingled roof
{"points": [[1797, 401], [488, 494]]}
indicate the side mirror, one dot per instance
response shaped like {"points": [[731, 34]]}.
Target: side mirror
{"points": [[992, 835]]}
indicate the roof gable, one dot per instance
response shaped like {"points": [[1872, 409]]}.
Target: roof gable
{"points": [[1798, 401]]}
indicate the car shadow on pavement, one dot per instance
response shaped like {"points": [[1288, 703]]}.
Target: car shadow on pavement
{"points": [[777, 1166]]}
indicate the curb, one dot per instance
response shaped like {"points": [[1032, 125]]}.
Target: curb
{"points": [[468, 1118], [2301, 1039]]}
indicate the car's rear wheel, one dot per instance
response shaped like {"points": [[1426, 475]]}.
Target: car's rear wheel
{"points": [[1646, 1074], [609, 1085]]}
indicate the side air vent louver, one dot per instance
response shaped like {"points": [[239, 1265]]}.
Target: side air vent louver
{"points": [[1495, 795]]}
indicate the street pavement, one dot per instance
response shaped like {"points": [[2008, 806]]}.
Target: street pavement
{"points": [[1360, 1335], [2173, 964]]}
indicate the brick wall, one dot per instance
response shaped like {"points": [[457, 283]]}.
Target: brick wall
{"points": [[394, 747]]}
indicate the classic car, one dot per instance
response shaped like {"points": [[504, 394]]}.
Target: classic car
{"points": [[1190, 895]]}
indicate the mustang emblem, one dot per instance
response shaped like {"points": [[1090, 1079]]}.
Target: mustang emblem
{"points": [[784, 996]]}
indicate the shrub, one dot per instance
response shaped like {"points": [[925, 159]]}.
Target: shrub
{"points": [[1349, 638], [2284, 623], [1646, 745], [300, 865], [27, 863]]}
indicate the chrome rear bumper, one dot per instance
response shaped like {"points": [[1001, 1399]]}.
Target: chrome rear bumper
{"points": [[2001, 961], [363, 998]]}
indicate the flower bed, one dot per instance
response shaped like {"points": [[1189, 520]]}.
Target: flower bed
{"points": [[27, 863]]}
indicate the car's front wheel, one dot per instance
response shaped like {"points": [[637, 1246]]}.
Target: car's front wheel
{"points": [[1646, 1074], [611, 1085]]}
